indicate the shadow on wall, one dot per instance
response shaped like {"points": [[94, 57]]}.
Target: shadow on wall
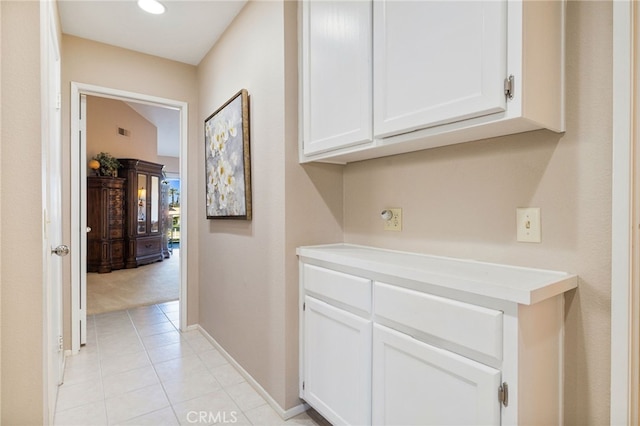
{"points": [[327, 181]]}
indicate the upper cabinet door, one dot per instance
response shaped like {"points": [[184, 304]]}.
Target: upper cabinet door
{"points": [[437, 62], [336, 74]]}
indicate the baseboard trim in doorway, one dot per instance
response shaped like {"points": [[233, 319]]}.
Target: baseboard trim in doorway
{"points": [[285, 414], [194, 327]]}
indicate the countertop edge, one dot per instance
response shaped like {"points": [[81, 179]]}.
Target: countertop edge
{"points": [[559, 282]]}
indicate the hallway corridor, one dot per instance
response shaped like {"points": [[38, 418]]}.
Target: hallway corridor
{"points": [[138, 369]]}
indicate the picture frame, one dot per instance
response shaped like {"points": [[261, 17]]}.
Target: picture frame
{"points": [[228, 160]]}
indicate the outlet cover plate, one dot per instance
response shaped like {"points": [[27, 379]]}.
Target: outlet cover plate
{"points": [[528, 225], [395, 223]]}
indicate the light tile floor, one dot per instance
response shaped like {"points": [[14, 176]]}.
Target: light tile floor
{"points": [[138, 369]]}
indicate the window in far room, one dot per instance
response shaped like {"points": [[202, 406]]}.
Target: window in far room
{"points": [[174, 212]]}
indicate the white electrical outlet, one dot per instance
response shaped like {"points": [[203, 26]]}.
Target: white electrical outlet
{"points": [[394, 223], [528, 225]]}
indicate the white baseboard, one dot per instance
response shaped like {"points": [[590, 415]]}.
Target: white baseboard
{"points": [[285, 414]]}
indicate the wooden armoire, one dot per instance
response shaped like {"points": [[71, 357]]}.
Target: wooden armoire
{"points": [[143, 216], [105, 218]]}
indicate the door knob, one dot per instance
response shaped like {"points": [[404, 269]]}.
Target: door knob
{"points": [[62, 250]]}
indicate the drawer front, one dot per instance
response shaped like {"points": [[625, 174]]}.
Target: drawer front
{"points": [[348, 289], [148, 246], [473, 327]]}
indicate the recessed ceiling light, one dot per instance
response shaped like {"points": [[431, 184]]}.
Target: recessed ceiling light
{"points": [[151, 6]]}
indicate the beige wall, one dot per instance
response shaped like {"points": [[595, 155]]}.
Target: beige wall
{"points": [[105, 116], [89, 62], [248, 275], [21, 222], [1, 193], [313, 202], [171, 164], [461, 201], [457, 200]]}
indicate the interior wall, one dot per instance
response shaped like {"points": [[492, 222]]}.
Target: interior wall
{"points": [[21, 221], [103, 65], [248, 272], [313, 203], [105, 116], [171, 164], [461, 200], [1, 194], [242, 270]]}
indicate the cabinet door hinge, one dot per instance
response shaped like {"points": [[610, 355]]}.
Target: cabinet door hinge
{"points": [[60, 344], [503, 394], [509, 86], [304, 306], [302, 385]]}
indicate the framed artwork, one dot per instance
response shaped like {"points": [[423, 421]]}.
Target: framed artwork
{"points": [[228, 160]]}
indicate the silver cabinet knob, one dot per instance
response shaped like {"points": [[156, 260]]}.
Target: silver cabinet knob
{"points": [[88, 229], [62, 250]]}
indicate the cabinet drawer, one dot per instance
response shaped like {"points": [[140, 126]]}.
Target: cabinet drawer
{"points": [[469, 326], [348, 289], [148, 246]]}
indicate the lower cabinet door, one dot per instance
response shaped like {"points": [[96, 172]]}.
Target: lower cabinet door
{"points": [[418, 384], [337, 363]]}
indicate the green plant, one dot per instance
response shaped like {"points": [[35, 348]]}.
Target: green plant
{"points": [[108, 164]]}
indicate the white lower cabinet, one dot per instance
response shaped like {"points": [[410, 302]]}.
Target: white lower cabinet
{"points": [[419, 384], [337, 367], [393, 338]]}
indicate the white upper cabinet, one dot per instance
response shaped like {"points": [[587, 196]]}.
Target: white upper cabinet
{"points": [[442, 72], [336, 74], [437, 62]]}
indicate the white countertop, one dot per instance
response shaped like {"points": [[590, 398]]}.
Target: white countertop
{"points": [[511, 283]]}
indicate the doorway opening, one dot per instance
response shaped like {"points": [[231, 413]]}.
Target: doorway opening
{"points": [[132, 149], [79, 93]]}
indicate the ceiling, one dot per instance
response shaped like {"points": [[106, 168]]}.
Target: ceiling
{"points": [[184, 33], [167, 121]]}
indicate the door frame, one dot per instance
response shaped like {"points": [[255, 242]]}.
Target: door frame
{"points": [[625, 375], [78, 195], [51, 110]]}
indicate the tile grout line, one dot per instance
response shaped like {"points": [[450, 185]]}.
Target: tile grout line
{"points": [[104, 395], [194, 345], [101, 376], [146, 351]]}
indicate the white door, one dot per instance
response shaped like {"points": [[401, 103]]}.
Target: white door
{"points": [[336, 74], [337, 363], [437, 62], [418, 384], [52, 203]]}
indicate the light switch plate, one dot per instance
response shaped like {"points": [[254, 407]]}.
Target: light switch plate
{"points": [[528, 225]]}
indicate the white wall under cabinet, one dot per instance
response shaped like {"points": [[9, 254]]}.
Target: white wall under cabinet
{"points": [[443, 73], [390, 337]]}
